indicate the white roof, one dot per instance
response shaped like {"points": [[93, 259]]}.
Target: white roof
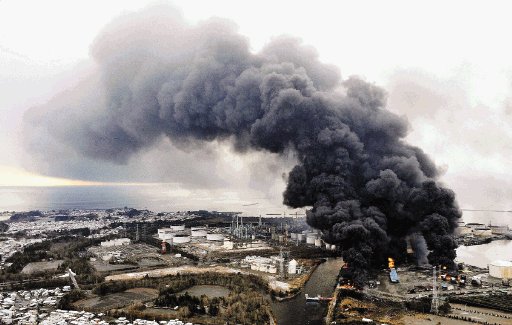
{"points": [[501, 263]]}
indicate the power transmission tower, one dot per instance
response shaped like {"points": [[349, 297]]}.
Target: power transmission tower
{"points": [[434, 308], [144, 232]]}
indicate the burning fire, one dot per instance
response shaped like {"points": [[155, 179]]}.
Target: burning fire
{"points": [[391, 263]]}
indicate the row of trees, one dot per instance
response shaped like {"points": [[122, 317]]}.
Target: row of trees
{"points": [[175, 283]]}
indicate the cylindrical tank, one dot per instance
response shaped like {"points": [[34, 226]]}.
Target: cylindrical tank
{"points": [[333, 247], [318, 242], [300, 237], [500, 269], [198, 233], [327, 246], [310, 240], [293, 235], [178, 228], [180, 240], [214, 237], [162, 231], [197, 228], [166, 236]]}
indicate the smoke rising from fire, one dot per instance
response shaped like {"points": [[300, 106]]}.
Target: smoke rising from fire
{"points": [[159, 77]]}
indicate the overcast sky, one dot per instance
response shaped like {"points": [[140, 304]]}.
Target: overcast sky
{"points": [[446, 67]]}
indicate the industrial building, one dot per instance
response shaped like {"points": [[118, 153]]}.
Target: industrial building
{"points": [[272, 264], [116, 242]]}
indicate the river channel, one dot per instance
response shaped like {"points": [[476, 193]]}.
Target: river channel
{"points": [[296, 311]]}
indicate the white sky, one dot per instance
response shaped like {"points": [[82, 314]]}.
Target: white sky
{"points": [[457, 52]]}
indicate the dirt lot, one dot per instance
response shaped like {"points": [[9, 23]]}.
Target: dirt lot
{"points": [[106, 267], [116, 300], [36, 267]]}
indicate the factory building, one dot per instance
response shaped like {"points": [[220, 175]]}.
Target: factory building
{"points": [[116, 242], [271, 264], [501, 269], [499, 230]]}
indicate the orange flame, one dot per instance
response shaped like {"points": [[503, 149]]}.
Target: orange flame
{"points": [[391, 263]]}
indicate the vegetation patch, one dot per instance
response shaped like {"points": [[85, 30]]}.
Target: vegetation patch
{"points": [[246, 302]]}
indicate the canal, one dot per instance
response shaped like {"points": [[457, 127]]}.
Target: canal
{"points": [[296, 311]]}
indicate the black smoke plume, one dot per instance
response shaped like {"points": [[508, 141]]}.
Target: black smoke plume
{"points": [[157, 76]]}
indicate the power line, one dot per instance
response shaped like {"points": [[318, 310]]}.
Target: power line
{"points": [[485, 210]]}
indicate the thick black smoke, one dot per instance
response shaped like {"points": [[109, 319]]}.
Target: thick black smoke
{"points": [[160, 77]]}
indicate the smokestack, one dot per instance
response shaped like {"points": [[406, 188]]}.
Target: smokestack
{"points": [[365, 188]]}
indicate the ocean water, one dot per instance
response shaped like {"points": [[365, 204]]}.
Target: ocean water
{"points": [[75, 197], [167, 197], [158, 197]]}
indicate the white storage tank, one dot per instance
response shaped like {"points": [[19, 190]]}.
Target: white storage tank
{"points": [[178, 228], [310, 240], [292, 267], [300, 237], [293, 235], [462, 230], [166, 236], [214, 237], [501, 269], [176, 240], [482, 232], [198, 233], [318, 242]]}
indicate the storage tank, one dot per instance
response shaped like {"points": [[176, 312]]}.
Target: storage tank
{"points": [[166, 236], [300, 237], [293, 235], [501, 269], [163, 231], [214, 237], [178, 228], [482, 232], [318, 242], [176, 240], [197, 228], [198, 233], [462, 230], [310, 240]]}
